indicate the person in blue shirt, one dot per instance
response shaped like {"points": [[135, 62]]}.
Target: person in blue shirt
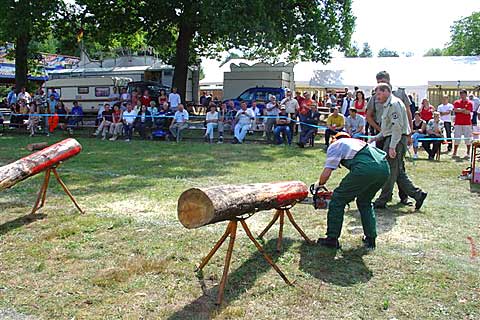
{"points": [[369, 170], [12, 96], [76, 116]]}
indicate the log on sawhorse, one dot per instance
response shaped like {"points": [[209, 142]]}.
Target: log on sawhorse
{"points": [[231, 232], [280, 215], [42, 194]]}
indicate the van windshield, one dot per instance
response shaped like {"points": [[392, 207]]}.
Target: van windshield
{"points": [[247, 95]]}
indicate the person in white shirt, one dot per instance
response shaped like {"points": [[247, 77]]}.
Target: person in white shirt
{"points": [[243, 120], [179, 122], [475, 116], [174, 99], [348, 102], [355, 124], [128, 117], [256, 111], [24, 95], [445, 109], [212, 122], [291, 107]]}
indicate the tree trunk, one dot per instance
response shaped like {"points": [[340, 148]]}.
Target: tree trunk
{"points": [[182, 56], [37, 162], [201, 206], [21, 61]]}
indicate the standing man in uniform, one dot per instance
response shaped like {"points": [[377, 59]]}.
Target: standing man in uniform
{"points": [[369, 171], [393, 133], [374, 119]]}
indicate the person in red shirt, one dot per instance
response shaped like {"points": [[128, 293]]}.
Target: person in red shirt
{"points": [[299, 98], [426, 110], [360, 104], [146, 99], [463, 122]]}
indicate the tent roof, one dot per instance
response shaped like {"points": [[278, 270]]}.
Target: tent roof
{"points": [[404, 72]]}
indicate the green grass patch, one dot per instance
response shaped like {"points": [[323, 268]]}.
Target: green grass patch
{"points": [[129, 257]]}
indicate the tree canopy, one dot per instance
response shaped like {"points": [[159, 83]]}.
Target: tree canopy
{"points": [[23, 21], [387, 53], [366, 51], [465, 36], [183, 30], [353, 51]]}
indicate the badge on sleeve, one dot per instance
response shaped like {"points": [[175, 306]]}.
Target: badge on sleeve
{"points": [[395, 116]]}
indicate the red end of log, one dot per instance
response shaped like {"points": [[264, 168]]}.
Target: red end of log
{"points": [[50, 162]]}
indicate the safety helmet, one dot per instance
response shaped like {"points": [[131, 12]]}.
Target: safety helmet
{"points": [[341, 135]]}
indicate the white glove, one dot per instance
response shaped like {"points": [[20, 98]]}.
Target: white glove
{"points": [[317, 185]]}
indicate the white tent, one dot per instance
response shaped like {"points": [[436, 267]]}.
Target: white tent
{"points": [[411, 73]]}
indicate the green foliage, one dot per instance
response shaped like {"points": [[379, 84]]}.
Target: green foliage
{"points": [[434, 52], [353, 51], [387, 53], [465, 36], [299, 28], [366, 51]]}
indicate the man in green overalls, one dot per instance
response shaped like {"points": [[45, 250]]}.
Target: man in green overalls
{"points": [[368, 173]]}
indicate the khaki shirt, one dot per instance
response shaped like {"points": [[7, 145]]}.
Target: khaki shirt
{"points": [[394, 121], [377, 107]]}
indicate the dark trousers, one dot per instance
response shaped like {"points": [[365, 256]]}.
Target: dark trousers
{"points": [[448, 131], [432, 147], [328, 134], [306, 134], [128, 128], [141, 128]]}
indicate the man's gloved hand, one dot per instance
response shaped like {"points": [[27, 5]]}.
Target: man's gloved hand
{"points": [[316, 186]]}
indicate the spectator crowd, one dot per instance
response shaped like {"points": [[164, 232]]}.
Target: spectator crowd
{"points": [[165, 116]]}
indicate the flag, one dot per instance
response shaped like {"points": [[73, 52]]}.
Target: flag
{"points": [[80, 35]]}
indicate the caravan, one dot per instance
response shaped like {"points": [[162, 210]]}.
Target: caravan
{"points": [[91, 93]]}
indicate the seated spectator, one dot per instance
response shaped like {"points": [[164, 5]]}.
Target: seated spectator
{"points": [[33, 118], [211, 120], [62, 113], [291, 107], [309, 126], [222, 120], [257, 112], [117, 124], [128, 118], [272, 112], [426, 110], [282, 126], [23, 110], [179, 122], [164, 118], [153, 109], [125, 97], [146, 99], [335, 124], [419, 131], [76, 116], [162, 98], [2, 118], [106, 122], [15, 118], [434, 130], [138, 106], [355, 124], [143, 122], [243, 120]]}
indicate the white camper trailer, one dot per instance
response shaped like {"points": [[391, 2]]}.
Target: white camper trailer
{"points": [[91, 93]]}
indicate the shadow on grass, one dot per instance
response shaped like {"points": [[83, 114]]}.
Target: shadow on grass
{"points": [[342, 268], [238, 282], [19, 222]]}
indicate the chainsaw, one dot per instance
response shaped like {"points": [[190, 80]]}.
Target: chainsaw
{"points": [[320, 198]]}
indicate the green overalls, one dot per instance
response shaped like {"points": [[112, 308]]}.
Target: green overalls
{"points": [[369, 170]]}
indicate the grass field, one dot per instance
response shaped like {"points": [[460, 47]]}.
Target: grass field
{"points": [[128, 257]]}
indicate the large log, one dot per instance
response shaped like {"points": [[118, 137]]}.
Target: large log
{"points": [[201, 206], [37, 162]]}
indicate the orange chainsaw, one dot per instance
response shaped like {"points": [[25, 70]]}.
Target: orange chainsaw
{"points": [[320, 198]]}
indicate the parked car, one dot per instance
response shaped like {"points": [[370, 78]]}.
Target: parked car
{"points": [[259, 94]]}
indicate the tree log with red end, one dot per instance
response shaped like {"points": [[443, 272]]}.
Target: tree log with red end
{"points": [[37, 162], [201, 206]]}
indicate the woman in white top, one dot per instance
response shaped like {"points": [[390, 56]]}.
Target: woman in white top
{"points": [[211, 121]]}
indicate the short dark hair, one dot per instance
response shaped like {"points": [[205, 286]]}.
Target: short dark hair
{"points": [[383, 75], [463, 91]]}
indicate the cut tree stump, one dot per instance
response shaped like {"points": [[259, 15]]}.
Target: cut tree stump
{"points": [[37, 162], [201, 206]]}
